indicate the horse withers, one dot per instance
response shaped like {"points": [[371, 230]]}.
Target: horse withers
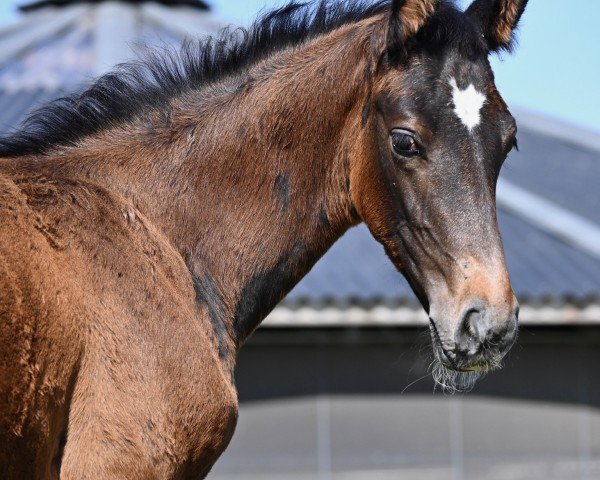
{"points": [[150, 223]]}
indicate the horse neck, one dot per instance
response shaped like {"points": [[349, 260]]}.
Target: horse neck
{"points": [[250, 180]]}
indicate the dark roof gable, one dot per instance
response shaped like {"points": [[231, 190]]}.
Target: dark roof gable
{"points": [[29, 7]]}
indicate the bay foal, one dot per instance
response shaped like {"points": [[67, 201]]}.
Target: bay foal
{"points": [[148, 225]]}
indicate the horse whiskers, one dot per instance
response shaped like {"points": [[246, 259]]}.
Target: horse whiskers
{"points": [[414, 381], [454, 381]]}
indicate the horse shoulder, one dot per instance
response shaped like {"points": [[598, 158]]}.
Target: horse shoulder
{"points": [[149, 381], [40, 345]]}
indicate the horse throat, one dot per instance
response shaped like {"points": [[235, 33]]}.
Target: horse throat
{"points": [[278, 193]]}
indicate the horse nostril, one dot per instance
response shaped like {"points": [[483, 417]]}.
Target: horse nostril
{"points": [[483, 328], [471, 333], [484, 331], [471, 324]]}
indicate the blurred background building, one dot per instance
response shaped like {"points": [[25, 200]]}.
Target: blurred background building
{"points": [[335, 384]]}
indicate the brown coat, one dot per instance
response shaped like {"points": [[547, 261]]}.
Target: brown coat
{"points": [[102, 341], [136, 258]]}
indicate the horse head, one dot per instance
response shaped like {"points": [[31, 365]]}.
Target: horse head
{"points": [[424, 178]]}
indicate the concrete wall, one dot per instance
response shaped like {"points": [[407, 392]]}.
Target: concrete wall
{"points": [[334, 404]]}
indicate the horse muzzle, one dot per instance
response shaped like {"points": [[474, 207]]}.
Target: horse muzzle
{"points": [[481, 338]]}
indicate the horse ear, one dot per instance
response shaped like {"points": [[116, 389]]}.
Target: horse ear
{"points": [[497, 20], [407, 18]]}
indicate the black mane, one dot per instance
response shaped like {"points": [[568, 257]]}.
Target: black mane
{"points": [[135, 87]]}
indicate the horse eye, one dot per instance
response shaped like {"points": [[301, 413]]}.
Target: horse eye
{"points": [[404, 143]]}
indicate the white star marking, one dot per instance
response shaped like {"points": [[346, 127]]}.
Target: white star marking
{"points": [[467, 104]]}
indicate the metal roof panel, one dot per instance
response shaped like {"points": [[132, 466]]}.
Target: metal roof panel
{"points": [[566, 173]]}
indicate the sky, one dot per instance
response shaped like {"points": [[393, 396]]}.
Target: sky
{"points": [[554, 71]]}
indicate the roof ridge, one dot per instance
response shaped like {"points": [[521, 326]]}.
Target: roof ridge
{"points": [[570, 227], [558, 129]]}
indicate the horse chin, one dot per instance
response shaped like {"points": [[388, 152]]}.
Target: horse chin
{"points": [[463, 380], [454, 381]]}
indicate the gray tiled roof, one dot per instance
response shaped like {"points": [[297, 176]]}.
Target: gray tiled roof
{"points": [[14, 107]]}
